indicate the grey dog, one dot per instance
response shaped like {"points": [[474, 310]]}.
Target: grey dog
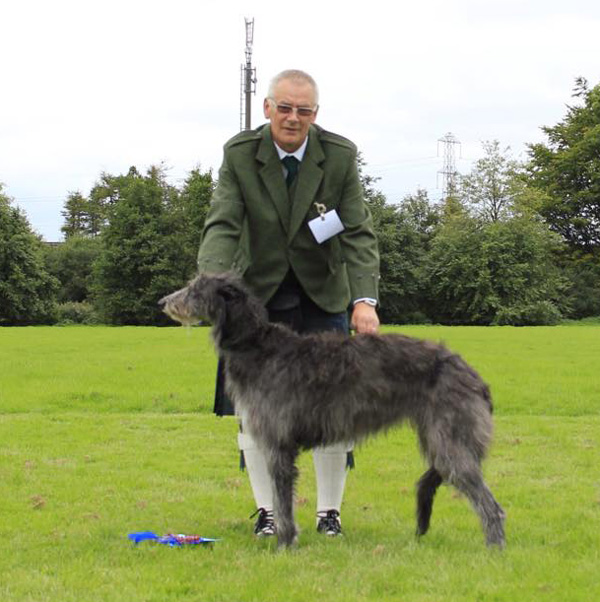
{"points": [[297, 392]]}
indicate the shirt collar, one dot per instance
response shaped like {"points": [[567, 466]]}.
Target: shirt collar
{"points": [[299, 153]]}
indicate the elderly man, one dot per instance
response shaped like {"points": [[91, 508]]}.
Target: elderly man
{"points": [[288, 215]]}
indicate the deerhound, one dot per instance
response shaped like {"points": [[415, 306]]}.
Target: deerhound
{"points": [[297, 392]]}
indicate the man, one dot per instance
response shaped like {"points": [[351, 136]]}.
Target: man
{"points": [[288, 215]]}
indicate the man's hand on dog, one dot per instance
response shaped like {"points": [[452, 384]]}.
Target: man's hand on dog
{"points": [[364, 319]]}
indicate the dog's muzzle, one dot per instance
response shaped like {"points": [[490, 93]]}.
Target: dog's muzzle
{"points": [[176, 307]]}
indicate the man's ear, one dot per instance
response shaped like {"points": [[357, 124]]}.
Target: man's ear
{"points": [[267, 108]]}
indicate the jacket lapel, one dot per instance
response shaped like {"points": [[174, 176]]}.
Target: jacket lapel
{"points": [[272, 177], [308, 182]]}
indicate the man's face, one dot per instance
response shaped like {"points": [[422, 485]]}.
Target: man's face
{"points": [[290, 129]]}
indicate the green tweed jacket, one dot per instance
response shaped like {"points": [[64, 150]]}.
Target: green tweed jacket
{"points": [[255, 226]]}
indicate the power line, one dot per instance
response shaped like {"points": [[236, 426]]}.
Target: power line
{"points": [[400, 162], [37, 199]]}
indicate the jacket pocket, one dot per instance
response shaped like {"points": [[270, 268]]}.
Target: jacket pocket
{"points": [[335, 259]]}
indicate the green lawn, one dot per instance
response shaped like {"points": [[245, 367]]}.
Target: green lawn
{"points": [[105, 431]]}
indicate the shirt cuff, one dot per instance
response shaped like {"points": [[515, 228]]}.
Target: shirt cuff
{"points": [[367, 300]]}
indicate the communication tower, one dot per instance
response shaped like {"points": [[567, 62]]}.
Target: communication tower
{"points": [[247, 80]]}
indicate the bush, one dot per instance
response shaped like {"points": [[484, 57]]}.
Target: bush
{"points": [[540, 313], [76, 312], [494, 273]]}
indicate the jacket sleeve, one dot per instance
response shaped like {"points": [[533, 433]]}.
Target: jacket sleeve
{"points": [[358, 240], [223, 225]]}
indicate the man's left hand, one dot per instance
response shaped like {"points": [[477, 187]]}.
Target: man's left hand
{"points": [[364, 318]]}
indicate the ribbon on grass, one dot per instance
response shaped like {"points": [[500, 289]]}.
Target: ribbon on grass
{"points": [[170, 539]]}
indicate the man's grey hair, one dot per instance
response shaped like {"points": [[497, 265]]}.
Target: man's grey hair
{"points": [[295, 75]]}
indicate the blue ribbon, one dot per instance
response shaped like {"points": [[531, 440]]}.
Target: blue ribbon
{"points": [[170, 539]]}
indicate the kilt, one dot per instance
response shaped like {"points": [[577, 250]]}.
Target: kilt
{"points": [[302, 315]]}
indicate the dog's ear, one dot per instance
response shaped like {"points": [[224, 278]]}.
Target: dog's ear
{"points": [[222, 291], [224, 284], [203, 292], [232, 291]]}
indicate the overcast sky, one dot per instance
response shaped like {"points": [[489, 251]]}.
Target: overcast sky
{"points": [[90, 86]]}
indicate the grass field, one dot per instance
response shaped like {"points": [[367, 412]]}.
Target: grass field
{"points": [[106, 431]]}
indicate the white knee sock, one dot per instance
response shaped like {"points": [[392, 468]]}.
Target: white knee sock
{"points": [[256, 465], [330, 470]]}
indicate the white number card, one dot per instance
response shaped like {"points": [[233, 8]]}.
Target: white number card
{"points": [[326, 225]]}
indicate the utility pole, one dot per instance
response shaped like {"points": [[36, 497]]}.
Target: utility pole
{"points": [[248, 80], [448, 171]]}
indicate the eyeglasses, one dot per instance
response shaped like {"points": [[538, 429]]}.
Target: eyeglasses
{"points": [[285, 109]]}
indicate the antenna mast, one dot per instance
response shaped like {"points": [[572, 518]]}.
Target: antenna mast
{"points": [[248, 80]]}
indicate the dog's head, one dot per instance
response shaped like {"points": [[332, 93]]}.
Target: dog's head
{"points": [[209, 297]]}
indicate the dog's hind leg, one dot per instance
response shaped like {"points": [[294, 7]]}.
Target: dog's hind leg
{"points": [[492, 516], [426, 489], [282, 467]]}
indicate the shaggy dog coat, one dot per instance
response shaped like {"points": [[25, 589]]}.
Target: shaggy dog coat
{"points": [[297, 392]]}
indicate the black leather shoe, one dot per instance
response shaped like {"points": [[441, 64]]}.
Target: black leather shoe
{"points": [[329, 523]]}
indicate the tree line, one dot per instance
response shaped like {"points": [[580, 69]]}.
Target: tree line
{"points": [[511, 243]]}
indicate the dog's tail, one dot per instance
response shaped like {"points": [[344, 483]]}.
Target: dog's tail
{"points": [[426, 488]]}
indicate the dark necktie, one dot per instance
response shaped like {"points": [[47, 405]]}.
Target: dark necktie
{"points": [[292, 165]]}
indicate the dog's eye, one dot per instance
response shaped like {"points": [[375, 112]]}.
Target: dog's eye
{"points": [[229, 293]]}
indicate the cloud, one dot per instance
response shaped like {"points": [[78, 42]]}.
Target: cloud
{"points": [[99, 86]]}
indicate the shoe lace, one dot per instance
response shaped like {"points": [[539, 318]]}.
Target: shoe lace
{"points": [[265, 519]]}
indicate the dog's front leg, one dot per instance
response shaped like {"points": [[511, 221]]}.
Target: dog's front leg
{"points": [[282, 467]]}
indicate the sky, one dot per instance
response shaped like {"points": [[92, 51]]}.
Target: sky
{"points": [[92, 86]]}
